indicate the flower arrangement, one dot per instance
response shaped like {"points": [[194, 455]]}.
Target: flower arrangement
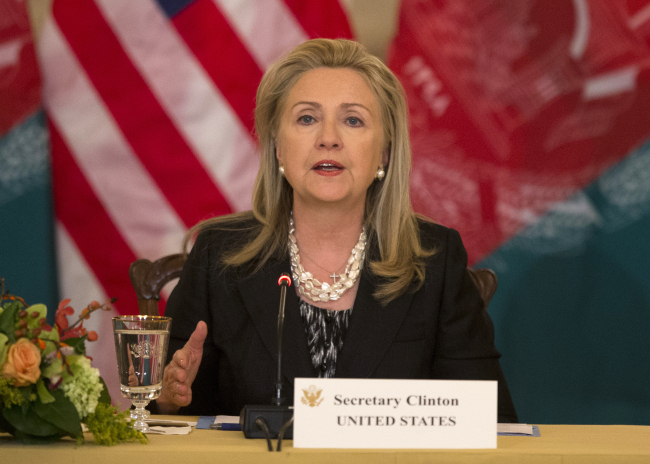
{"points": [[48, 387]]}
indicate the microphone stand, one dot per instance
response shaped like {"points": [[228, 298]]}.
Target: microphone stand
{"points": [[284, 282], [276, 419]]}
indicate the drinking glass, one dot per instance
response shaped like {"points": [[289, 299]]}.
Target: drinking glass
{"points": [[141, 347]]}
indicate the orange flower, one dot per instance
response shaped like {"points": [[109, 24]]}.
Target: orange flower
{"points": [[61, 313], [22, 364]]}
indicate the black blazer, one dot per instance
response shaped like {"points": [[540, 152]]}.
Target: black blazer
{"points": [[438, 332]]}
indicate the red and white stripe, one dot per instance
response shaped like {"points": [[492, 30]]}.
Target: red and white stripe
{"points": [[197, 107], [151, 124], [256, 20]]}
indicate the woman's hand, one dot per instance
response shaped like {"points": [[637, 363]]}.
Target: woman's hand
{"points": [[133, 379], [181, 371]]}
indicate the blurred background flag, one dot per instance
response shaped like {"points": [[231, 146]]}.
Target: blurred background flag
{"points": [[530, 126], [26, 232], [150, 109], [530, 135]]}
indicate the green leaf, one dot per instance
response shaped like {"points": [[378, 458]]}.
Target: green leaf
{"points": [[78, 343], [27, 392], [29, 423], [104, 396], [43, 393], [7, 320], [49, 347], [4, 348], [53, 369], [61, 413], [73, 358], [32, 322], [50, 335]]}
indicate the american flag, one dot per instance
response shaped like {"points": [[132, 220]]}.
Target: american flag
{"points": [[150, 109]]}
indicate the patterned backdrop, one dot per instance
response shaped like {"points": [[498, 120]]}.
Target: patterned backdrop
{"points": [[529, 125]]}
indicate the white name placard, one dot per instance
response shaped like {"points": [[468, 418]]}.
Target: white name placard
{"points": [[386, 413]]}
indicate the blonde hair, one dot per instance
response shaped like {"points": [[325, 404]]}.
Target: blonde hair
{"points": [[389, 217]]}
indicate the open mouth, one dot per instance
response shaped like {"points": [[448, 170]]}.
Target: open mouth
{"points": [[327, 166]]}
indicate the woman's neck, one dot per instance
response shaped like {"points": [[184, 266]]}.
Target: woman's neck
{"points": [[327, 231]]}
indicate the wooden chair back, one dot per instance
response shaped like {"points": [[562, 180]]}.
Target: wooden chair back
{"points": [[148, 278], [486, 281]]}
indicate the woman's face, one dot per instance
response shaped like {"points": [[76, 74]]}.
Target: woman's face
{"points": [[331, 138]]}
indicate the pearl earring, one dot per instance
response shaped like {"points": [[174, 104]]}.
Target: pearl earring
{"points": [[380, 173], [281, 169]]}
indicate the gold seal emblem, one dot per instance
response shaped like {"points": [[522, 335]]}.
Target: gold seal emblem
{"points": [[312, 396]]}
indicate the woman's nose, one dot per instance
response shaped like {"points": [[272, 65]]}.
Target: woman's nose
{"points": [[329, 136]]}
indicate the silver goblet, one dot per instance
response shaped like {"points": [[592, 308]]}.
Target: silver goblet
{"points": [[141, 346]]}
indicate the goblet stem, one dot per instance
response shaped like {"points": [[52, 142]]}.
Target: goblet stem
{"points": [[147, 414], [140, 415]]}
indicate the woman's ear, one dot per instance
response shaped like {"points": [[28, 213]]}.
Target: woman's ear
{"points": [[385, 156], [278, 154]]}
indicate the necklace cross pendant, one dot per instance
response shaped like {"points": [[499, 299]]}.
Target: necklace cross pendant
{"points": [[334, 276]]}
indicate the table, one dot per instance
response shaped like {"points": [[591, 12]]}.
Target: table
{"points": [[565, 444]]}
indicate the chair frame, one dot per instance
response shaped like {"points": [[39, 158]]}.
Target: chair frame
{"points": [[486, 282], [148, 278]]}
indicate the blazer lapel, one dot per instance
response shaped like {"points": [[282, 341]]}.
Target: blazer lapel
{"points": [[371, 331], [261, 295]]}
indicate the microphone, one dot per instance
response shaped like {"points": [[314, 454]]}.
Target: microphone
{"points": [[284, 281], [275, 420]]}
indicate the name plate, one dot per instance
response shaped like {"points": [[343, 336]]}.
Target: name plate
{"points": [[385, 413]]}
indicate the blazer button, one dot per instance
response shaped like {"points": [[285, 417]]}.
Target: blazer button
{"points": [[327, 344], [323, 367]]}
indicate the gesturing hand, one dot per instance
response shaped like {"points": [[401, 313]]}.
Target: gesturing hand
{"points": [[133, 379], [181, 371]]}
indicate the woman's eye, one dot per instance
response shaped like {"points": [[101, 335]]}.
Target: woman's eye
{"points": [[306, 119], [354, 121]]}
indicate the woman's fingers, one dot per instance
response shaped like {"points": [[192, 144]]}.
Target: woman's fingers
{"points": [[182, 357], [133, 379], [181, 371], [177, 377], [195, 343], [189, 357], [181, 375], [175, 392]]}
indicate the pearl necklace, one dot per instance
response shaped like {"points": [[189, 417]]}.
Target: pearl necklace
{"points": [[312, 288]]}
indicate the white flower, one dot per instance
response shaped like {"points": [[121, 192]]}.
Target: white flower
{"points": [[83, 388]]}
